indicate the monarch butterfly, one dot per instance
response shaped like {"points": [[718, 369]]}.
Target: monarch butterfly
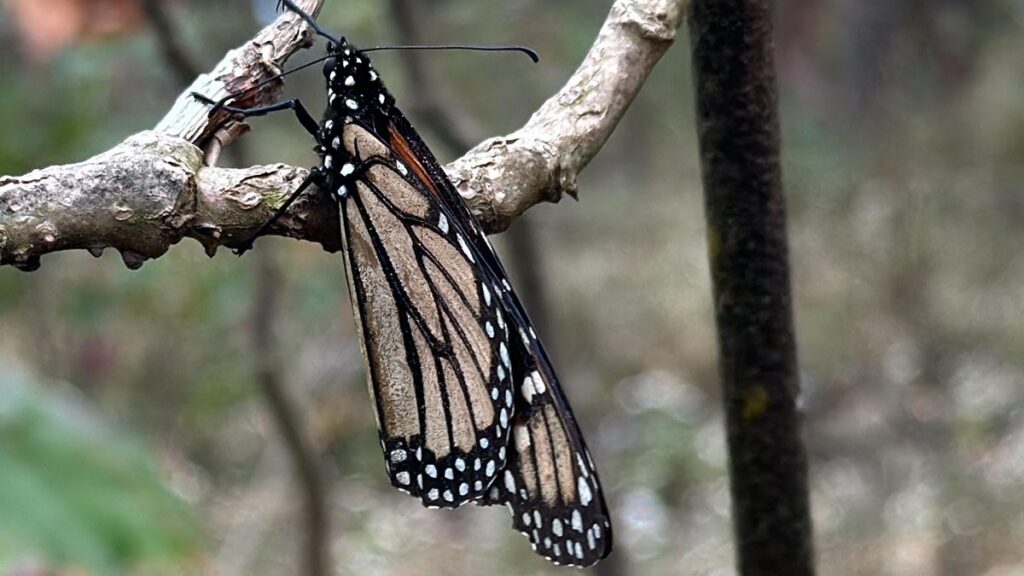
{"points": [[468, 407]]}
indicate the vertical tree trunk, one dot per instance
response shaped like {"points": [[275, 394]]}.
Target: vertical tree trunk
{"points": [[287, 417], [739, 139]]}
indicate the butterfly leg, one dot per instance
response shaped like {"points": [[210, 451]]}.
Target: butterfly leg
{"points": [[305, 118], [315, 177]]}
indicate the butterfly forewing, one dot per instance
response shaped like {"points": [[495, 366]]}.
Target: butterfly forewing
{"points": [[437, 375]]}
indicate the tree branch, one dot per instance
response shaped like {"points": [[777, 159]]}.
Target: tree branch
{"points": [[152, 191]]}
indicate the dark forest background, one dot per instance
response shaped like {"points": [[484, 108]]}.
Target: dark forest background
{"points": [[135, 435]]}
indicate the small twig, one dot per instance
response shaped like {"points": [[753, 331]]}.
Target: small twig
{"points": [[168, 195], [239, 72]]}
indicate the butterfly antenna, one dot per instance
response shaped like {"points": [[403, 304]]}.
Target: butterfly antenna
{"points": [[217, 104], [289, 4], [523, 49]]}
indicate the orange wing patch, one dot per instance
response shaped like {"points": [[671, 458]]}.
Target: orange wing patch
{"points": [[401, 146]]}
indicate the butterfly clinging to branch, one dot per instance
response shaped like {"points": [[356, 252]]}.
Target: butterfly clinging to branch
{"points": [[468, 406]]}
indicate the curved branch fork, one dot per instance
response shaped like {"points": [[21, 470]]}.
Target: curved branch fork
{"points": [[502, 177], [153, 190]]}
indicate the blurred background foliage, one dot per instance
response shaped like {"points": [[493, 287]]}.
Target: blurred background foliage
{"points": [[134, 440]]}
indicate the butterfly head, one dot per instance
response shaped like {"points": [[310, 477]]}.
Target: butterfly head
{"points": [[354, 87]]}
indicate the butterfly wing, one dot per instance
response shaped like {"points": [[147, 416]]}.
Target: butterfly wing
{"points": [[549, 482], [438, 364]]}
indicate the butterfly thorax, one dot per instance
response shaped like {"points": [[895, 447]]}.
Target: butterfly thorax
{"points": [[355, 94]]}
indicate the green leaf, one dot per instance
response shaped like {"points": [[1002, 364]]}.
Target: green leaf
{"points": [[74, 494]]}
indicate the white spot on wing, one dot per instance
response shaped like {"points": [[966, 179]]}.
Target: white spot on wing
{"points": [[352, 104], [465, 248], [403, 478], [442, 221], [584, 489], [347, 169], [538, 383], [527, 389], [504, 355]]}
